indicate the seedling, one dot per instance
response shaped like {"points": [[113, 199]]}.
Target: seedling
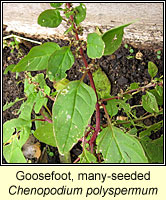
{"points": [[131, 51], [159, 54], [16, 42], [69, 120], [12, 44], [49, 152]]}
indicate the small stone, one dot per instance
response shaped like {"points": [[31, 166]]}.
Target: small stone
{"points": [[112, 77], [119, 56], [122, 80], [9, 82], [124, 69], [113, 57], [142, 67]]}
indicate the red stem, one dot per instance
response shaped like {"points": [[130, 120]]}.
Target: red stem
{"points": [[90, 126], [45, 118], [92, 85], [42, 120], [106, 113], [50, 97], [77, 160], [93, 138], [110, 99]]}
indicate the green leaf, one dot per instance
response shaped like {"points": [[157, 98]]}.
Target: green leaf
{"points": [[112, 107], [153, 149], [9, 68], [80, 13], [56, 5], [126, 46], [24, 135], [134, 86], [37, 98], [51, 154], [26, 108], [13, 154], [69, 29], [9, 127], [158, 95], [159, 90], [95, 46], [8, 105], [72, 110], [87, 157], [47, 90], [69, 13], [39, 78], [149, 103], [50, 18], [159, 52], [37, 58], [127, 97], [113, 38], [12, 151], [102, 83], [155, 127], [152, 69], [117, 147], [29, 88], [40, 101], [129, 57], [131, 51], [59, 62], [59, 85], [45, 134], [133, 131], [39, 81], [158, 57], [123, 105]]}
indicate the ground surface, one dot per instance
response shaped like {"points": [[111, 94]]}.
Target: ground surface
{"points": [[122, 68]]}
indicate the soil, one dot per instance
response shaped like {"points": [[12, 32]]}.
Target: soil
{"points": [[119, 67]]}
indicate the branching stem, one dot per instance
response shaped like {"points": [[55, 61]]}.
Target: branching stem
{"points": [[136, 120], [141, 118], [134, 91]]}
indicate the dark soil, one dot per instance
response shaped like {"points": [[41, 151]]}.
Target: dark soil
{"points": [[120, 70]]}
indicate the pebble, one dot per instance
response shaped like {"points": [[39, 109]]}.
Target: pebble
{"points": [[122, 80], [10, 82], [112, 77], [119, 56], [142, 67], [124, 70], [113, 57]]}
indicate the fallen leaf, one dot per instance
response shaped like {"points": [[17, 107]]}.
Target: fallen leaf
{"points": [[31, 149], [139, 55], [122, 118]]}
